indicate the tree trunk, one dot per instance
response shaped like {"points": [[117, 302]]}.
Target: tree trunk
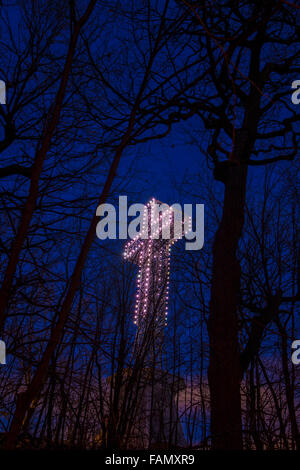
{"points": [[224, 372], [34, 388], [37, 167]]}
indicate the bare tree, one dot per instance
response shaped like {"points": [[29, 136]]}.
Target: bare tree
{"points": [[252, 65]]}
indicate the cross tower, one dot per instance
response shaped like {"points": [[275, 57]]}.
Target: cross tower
{"points": [[151, 250], [161, 227]]}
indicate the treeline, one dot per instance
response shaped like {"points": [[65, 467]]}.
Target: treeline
{"points": [[90, 84]]}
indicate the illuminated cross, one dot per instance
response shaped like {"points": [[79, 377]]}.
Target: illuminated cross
{"points": [[150, 250], [161, 227]]}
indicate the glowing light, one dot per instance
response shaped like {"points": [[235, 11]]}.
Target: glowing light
{"points": [[151, 252]]}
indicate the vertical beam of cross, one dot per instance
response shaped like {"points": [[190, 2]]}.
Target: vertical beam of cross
{"points": [[151, 250], [152, 255]]}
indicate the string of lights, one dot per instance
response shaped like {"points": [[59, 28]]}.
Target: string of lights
{"points": [[151, 251]]}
